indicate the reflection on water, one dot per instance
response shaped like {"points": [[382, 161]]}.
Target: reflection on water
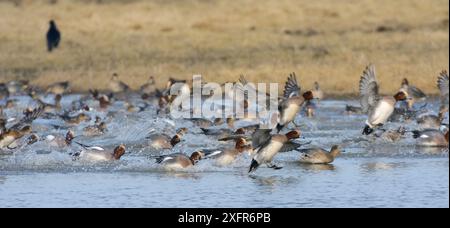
{"points": [[317, 167], [374, 166], [2, 179], [273, 181]]}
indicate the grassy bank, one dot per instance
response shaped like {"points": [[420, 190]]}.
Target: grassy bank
{"points": [[327, 41]]}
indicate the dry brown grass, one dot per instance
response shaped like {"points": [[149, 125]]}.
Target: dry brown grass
{"points": [[328, 41]]}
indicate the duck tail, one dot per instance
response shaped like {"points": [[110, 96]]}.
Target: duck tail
{"points": [[279, 127], [367, 130], [416, 134], [253, 166]]}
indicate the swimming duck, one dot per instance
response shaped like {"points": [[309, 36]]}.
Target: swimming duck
{"points": [[391, 135], [431, 138], [103, 99], [60, 141], [292, 102], [58, 87], [163, 141], [9, 136], [431, 121], [414, 93], [319, 155], [15, 87], [99, 128], [267, 146], [351, 110], [117, 86], [148, 89], [179, 161], [317, 92], [227, 156], [75, 120], [378, 108], [100, 155]]}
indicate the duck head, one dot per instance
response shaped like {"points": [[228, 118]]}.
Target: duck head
{"points": [[293, 134], [308, 95], [69, 137], [335, 151], [401, 96], [196, 156], [119, 151]]}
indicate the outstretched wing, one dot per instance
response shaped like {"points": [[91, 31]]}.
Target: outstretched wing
{"points": [[291, 88], [368, 89], [261, 137], [443, 88], [28, 118]]}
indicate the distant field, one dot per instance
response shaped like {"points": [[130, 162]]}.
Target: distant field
{"points": [[326, 40]]}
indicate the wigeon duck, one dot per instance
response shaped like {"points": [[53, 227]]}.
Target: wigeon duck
{"points": [[431, 121], [172, 81], [179, 161], [391, 135], [29, 116], [292, 102], [117, 86], [75, 120], [442, 84], [223, 132], [103, 99], [60, 141], [148, 89], [351, 110], [99, 128], [163, 141], [414, 93], [319, 155], [58, 87], [431, 138], [308, 109], [378, 108], [15, 87], [317, 92], [98, 154], [267, 146], [9, 136], [33, 138], [51, 107], [135, 108], [227, 156]]}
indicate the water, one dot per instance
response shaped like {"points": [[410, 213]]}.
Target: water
{"points": [[371, 173]]}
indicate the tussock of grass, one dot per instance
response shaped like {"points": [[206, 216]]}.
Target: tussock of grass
{"points": [[327, 41]]}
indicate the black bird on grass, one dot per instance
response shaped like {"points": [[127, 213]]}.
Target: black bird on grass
{"points": [[53, 36]]}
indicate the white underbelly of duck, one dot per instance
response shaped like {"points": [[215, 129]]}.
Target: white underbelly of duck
{"points": [[289, 114], [6, 141], [380, 114], [267, 153], [96, 156]]}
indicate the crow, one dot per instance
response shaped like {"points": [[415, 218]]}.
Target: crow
{"points": [[53, 36]]}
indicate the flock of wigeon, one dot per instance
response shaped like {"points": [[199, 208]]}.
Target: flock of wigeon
{"points": [[262, 143]]}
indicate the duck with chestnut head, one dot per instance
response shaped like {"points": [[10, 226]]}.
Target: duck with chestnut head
{"points": [[179, 161], [98, 154], [292, 101], [225, 157], [266, 146], [378, 108]]}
